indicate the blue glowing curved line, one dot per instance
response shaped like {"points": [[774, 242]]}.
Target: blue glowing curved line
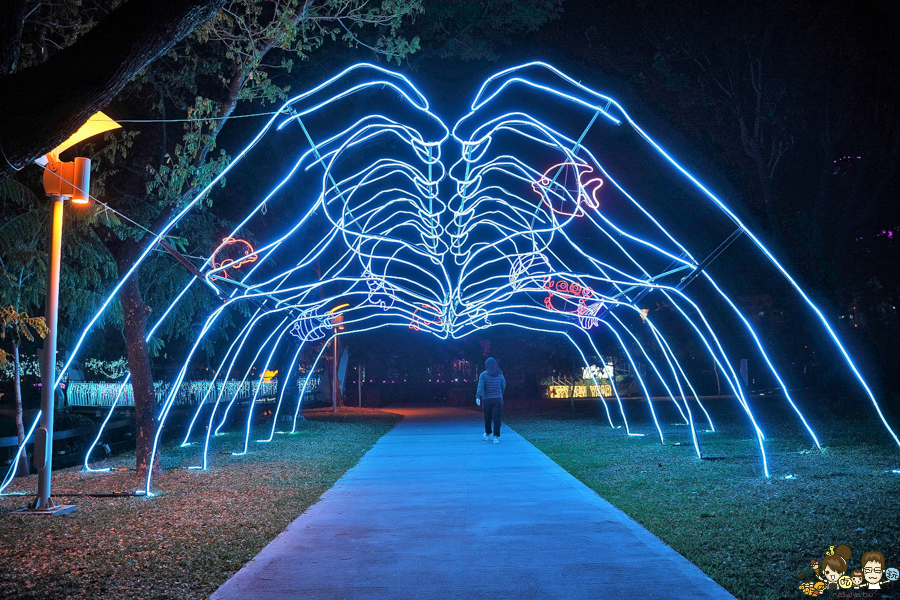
{"points": [[479, 101], [283, 385], [652, 365], [782, 270], [312, 369], [15, 463], [166, 228], [247, 370], [399, 238], [765, 355], [637, 375], [109, 414], [212, 383], [612, 384], [557, 137], [594, 379], [733, 380], [261, 378], [662, 340], [664, 347]]}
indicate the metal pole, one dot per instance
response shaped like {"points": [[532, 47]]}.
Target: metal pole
{"points": [[359, 376], [334, 381], [43, 457]]}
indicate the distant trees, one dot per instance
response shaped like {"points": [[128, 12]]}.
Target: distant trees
{"points": [[796, 104], [475, 29], [777, 94], [20, 327]]}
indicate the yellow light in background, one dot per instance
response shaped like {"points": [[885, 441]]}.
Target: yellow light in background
{"points": [[336, 320], [99, 123], [268, 376], [559, 391]]}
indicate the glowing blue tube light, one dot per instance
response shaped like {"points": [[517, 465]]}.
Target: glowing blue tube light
{"points": [[529, 225]]}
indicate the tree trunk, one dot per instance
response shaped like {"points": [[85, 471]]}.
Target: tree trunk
{"points": [[135, 314], [340, 396], [43, 105], [754, 151], [20, 425], [718, 383], [336, 363]]}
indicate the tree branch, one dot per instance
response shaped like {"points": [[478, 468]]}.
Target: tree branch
{"points": [[43, 105], [11, 34]]}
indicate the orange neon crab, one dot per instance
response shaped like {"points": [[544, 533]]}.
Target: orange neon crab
{"points": [[247, 257]]}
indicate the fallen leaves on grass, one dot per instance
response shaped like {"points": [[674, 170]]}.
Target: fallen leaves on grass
{"points": [[187, 541]]}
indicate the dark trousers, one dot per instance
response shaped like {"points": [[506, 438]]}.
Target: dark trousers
{"points": [[493, 411]]}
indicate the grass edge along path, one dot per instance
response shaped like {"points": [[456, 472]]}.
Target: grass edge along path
{"points": [[205, 525], [754, 536]]}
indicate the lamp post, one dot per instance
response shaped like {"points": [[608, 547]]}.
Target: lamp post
{"points": [[334, 379], [336, 320], [43, 445], [61, 180]]}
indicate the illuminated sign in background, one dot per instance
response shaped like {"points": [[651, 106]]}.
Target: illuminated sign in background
{"points": [[580, 391], [523, 213]]}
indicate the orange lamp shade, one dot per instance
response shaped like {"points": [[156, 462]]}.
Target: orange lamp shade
{"points": [[99, 123], [72, 179]]}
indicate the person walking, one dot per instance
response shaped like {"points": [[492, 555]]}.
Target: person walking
{"points": [[491, 385]]}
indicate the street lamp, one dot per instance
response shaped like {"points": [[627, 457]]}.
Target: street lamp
{"points": [[336, 321], [61, 180]]}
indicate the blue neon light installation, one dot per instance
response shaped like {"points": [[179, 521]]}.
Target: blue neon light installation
{"points": [[531, 223]]}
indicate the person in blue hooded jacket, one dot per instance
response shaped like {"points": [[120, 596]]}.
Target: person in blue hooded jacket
{"points": [[491, 385]]}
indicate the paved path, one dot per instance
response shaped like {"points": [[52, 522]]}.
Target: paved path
{"points": [[434, 512]]}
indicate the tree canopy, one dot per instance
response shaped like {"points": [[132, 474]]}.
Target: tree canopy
{"points": [[45, 100]]}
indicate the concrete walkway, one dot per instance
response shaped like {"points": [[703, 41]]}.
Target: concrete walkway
{"points": [[434, 512]]}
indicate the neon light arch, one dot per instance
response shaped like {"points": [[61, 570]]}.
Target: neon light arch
{"points": [[491, 240]]}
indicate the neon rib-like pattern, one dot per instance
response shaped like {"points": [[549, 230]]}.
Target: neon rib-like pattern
{"points": [[532, 223]]}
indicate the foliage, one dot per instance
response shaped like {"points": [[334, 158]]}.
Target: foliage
{"points": [[237, 59], [52, 26], [21, 327], [29, 366], [474, 29], [776, 104], [797, 127], [109, 369], [86, 268], [23, 261], [21, 265], [720, 74]]}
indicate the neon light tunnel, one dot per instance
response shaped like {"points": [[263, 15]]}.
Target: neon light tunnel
{"points": [[506, 218]]}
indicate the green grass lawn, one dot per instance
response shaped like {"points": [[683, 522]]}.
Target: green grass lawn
{"points": [[186, 542], [752, 534]]}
